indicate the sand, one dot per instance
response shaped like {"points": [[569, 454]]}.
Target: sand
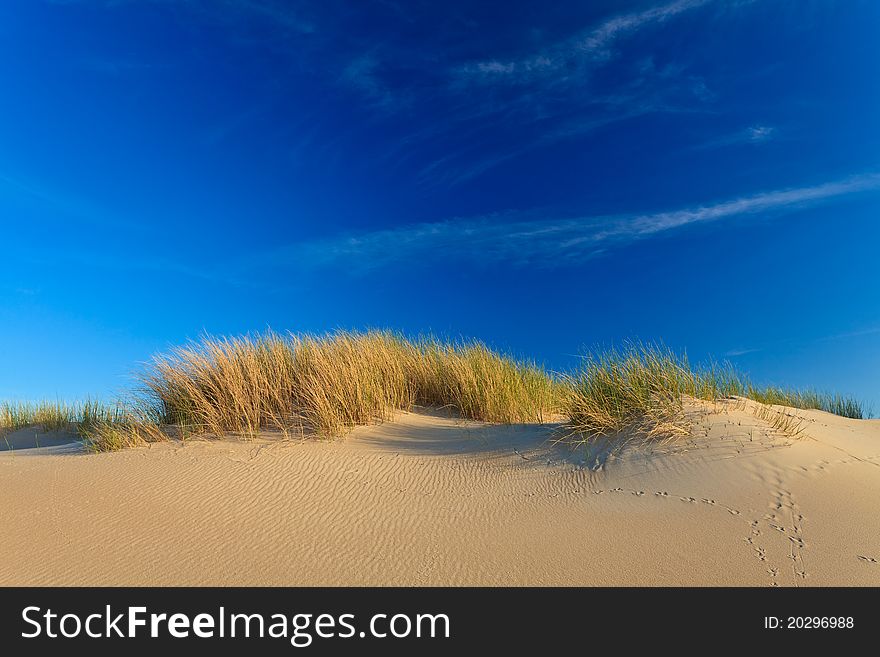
{"points": [[432, 500]]}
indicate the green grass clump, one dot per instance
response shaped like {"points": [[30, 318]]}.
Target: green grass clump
{"points": [[810, 399], [102, 427], [54, 416], [640, 390], [51, 416], [109, 435], [636, 389]]}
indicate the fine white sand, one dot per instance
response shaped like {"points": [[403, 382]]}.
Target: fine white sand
{"points": [[431, 500]]}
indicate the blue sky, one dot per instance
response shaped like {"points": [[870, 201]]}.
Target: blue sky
{"points": [[543, 176]]}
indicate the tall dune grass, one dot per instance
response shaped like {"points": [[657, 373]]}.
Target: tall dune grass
{"points": [[56, 415], [102, 427], [637, 389], [810, 399], [640, 389], [330, 384]]}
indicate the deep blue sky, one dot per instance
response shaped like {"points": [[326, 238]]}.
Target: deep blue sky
{"points": [[544, 176]]}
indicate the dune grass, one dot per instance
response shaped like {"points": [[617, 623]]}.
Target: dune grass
{"points": [[810, 399], [330, 384], [326, 385], [56, 415], [102, 427], [637, 389], [641, 389], [51, 416]]}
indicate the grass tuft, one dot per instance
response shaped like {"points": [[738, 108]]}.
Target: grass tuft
{"points": [[810, 399], [57, 415], [640, 390], [330, 384], [102, 427]]}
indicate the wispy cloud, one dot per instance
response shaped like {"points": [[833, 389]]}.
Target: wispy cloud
{"points": [[863, 332], [362, 74], [858, 333], [758, 133], [600, 39], [753, 134], [593, 45], [551, 95], [461, 100], [735, 353], [515, 240], [460, 106]]}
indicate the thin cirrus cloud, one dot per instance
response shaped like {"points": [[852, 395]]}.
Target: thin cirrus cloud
{"points": [[736, 353], [480, 118], [865, 331], [554, 99], [515, 241], [753, 134], [593, 45], [758, 133]]}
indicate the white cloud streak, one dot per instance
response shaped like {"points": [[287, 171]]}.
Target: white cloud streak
{"points": [[752, 135], [516, 241], [599, 39], [555, 99], [758, 133], [593, 45]]}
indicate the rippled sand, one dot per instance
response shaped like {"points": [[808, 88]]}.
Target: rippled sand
{"points": [[432, 500]]}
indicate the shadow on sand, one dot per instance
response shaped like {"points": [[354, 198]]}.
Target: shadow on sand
{"points": [[439, 432], [37, 440]]}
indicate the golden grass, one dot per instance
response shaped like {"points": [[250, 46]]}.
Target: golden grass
{"points": [[811, 399], [780, 418], [51, 416], [55, 415], [328, 384], [102, 427], [639, 390]]}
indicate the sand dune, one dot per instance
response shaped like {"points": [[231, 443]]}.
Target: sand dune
{"points": [[431, 500]]}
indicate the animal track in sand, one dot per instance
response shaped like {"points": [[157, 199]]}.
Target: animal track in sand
{"points": [[783, 517], [784, 505], [666, 494], [760, 551], [797, 544]]}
